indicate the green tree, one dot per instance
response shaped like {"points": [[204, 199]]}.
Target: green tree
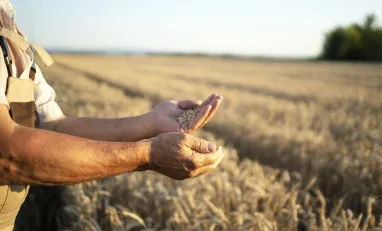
{"points": [[332, 44], [354, 42]]}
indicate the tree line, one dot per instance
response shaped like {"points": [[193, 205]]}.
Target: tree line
{"points": [[355, 42]]}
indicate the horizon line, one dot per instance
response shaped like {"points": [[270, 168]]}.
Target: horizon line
{"points": [[139, 51]]}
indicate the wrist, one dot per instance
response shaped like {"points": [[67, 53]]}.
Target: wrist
{"points": [[144, 148], [151, 124], [137, 128]]}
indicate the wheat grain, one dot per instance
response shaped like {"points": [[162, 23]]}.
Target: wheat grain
{"points": [[188, 116], [323, 136]]}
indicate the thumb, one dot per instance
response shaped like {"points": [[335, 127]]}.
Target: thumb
{"points": [[200, 145]]}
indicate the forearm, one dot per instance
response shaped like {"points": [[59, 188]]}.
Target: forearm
{"points": [[127, 129], [36, 156]]}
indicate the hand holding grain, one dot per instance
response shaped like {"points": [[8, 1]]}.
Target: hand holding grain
{"points": [[186, 115], [194, 118], [181, 156]]}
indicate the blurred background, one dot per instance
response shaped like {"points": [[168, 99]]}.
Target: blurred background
{"points": [[301, 121], [296, 29]]}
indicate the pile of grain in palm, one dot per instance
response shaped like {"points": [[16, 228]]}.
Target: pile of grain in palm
{"points": [[188, 116]]}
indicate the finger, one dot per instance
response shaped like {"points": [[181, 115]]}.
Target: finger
{"points": [[189, 104], [199, 145], [207, 169], [199, 119], [208, 100], [183, 174], [201, 160], [214, 107], [209, 158]]}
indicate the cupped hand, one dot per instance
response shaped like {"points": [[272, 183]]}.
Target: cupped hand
{"points": [[165, 114], [181, 156]]}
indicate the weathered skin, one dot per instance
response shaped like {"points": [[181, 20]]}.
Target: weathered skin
{"points": [[163, 118], [42, 157]]}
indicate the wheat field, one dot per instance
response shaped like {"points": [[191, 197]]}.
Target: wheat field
{"points": [[302, 143]]}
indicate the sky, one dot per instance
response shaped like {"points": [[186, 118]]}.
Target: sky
{"points": [[284, 28]]}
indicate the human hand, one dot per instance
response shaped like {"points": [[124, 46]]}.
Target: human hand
{"points": [[165, 114], [181, 156]]}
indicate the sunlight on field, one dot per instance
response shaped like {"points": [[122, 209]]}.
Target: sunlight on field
{"points": [[303, 143]]}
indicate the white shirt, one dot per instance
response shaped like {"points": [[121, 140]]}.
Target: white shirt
{"points": [[44, 95]]}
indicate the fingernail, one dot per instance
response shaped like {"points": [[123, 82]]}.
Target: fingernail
{"points": [[211, 147]]}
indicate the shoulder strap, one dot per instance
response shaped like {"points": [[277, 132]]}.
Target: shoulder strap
{"points": [[7, 55], [7, 59], [44, 55], [14, 37], [24, 45]]}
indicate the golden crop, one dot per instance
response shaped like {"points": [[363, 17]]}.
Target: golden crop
{"points": [[302, 140]]}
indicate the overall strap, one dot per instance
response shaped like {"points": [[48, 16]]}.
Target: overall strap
{"points": [[7, 58], [18, 109], [7, 55], [14, 37], [44, 55], [24, 45]]}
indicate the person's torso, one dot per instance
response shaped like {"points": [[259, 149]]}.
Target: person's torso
{"points": [[19, 91]]}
